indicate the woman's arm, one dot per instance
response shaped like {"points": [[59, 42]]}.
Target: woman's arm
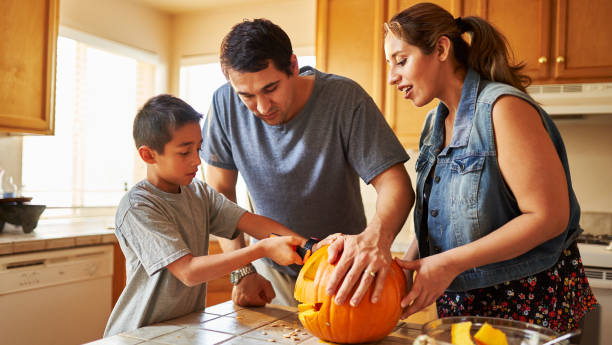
{"points": [[533, 171]]}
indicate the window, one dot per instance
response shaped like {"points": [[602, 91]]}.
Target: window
{"points": [[91, 160], [199, 78]]}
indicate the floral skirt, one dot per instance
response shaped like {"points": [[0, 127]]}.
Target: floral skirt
{"points": [[557, 298]]}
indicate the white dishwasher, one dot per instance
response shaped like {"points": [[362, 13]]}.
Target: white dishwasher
{"points": [[56, 296]]}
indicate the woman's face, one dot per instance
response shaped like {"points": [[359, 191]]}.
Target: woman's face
{"points": [[414, 73]]}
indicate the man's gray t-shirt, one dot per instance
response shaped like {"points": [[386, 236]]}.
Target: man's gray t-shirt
{"points": [[305, 173], [154, 229]]}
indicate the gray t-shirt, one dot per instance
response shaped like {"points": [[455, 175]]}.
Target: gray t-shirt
{"points": [[305, 173], [154, 229]]}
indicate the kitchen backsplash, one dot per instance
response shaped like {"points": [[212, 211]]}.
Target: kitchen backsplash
{"points": [[596, 223], [10, 156]]}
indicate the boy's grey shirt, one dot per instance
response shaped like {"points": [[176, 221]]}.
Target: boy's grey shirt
{"points": [[154, 229]]}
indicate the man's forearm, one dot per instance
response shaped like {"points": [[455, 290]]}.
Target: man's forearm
{"points": [[394, 201]]}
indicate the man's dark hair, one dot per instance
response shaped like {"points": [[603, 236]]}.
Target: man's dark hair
{"points": [[158, 118], [250, 44]]}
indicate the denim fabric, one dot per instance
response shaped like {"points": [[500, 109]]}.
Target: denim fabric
{"points": [[469, 197]]}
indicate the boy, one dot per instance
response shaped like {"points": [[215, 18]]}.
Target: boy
{"points": [[163, 223]]}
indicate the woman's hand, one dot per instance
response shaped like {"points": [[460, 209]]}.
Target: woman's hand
{"points": [[433, 275], [281, 249]]}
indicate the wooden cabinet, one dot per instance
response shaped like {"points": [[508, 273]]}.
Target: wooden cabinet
{"points": [[119, 276], [349, 42], [561, 41], [583, 41], [28, 36], [220, 289]]}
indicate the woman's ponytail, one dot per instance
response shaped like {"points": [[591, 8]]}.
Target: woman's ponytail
{"points": [[490, 55]]}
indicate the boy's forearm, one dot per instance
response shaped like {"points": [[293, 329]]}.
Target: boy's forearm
{"points": [[200, 269], [261, 227]]}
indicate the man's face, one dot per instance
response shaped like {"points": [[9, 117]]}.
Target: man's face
{"points": [[179, 163], [269, 93]]}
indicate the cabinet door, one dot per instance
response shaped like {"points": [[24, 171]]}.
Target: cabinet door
{"points": [[583, 47], [350, 43], [404, 117], [526, 24], [28, 34]]}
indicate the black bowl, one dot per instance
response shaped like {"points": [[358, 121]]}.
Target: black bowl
{"points": [[20, 214]]}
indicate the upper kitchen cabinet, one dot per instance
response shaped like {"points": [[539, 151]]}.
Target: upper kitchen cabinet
{"points": [[583, 42], [561, 41], [349, 42], [28, 36]]}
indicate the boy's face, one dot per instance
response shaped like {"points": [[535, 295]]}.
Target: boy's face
{"points": [[268, 93], [179, 163]]}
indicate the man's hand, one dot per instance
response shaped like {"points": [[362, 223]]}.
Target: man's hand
{"points": [[361, 260], [326, 241], [253, 291]]}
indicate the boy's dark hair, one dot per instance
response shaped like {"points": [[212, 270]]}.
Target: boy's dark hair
{"points": [[250, 44], [158, 118]]}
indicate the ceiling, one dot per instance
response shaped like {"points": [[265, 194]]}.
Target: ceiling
{"points": [[181, 6]]}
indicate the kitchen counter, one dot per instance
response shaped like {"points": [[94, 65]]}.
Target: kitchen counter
{"points": [[56, 234], [229, 324]]}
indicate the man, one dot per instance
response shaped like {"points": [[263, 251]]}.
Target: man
{"points": [[301, 140]]}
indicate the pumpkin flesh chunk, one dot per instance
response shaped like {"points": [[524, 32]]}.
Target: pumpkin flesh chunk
{"points": [[488, 335], [460, 333]]}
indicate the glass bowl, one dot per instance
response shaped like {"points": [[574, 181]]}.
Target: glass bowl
{"points": [[517, 332]]}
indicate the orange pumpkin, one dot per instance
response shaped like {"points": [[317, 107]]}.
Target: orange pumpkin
{"points": [[343, 323]]}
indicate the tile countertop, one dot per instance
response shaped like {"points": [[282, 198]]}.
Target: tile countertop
{"points": [[57, 233], [229, 324]]}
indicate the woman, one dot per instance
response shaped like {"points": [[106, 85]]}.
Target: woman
{"points": [[496, 217]]}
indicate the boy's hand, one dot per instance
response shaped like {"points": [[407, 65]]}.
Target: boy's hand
{"points": [[281, 249]]}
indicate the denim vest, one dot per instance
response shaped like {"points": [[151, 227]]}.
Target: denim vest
{"points": [[469, 197]]}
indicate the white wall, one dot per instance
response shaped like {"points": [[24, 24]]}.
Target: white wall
{"points": [[10, 158], [121, 21], [201, 33], [589, 151]]}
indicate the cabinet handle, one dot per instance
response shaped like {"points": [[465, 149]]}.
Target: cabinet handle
{"points": [[560, 59], [542, 60]]}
